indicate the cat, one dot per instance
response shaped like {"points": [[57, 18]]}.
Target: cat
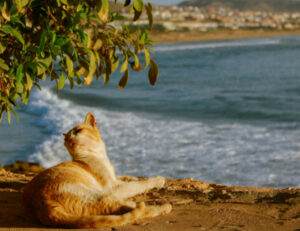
{"points": [[85, 192]]}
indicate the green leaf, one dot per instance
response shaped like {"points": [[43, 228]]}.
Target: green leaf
{"points": [[124, 80], [126, 2], [15, 114], [38, 86], [98, 44], [71, 81], [40, 69], [69, 65], [147, 57], [44, 77], [32, 66], [28, 81], [21, 3], [43, 41], [78, 80], [98, 60], [150, 5], [138, 5], [17, 20], [83, 16], [61, 41], [14, 32], [114, 63], [106, 77], [83, 36], [47, 60], [2, 47], [20, 73], [43, 64], [124, 66], [104, 9], [61, 82], [150, 16], [19, 87], [153, 72], [137, 15], [5, 99], [5, 14], [3, 65], [111, 52], [92, 69], [53, 37], [25, 96], [8, 117], [136, 61]]}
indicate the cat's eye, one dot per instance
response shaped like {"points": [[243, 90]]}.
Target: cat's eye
{"points": [[76, 131]]}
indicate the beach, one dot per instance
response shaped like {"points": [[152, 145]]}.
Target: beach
{"points": [[241, 129], [189, 36], [196, 206]]}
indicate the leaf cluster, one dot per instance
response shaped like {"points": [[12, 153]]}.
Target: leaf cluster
{"points": [[67, 40]]}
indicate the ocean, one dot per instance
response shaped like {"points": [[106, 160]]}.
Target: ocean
{"points": [[224, 112]]}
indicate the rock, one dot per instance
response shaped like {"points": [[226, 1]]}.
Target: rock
{"points": [[2, 170], [24, 167], [182, 201]]}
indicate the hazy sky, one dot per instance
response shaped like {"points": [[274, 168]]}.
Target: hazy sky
{"points": [[165, 2]]}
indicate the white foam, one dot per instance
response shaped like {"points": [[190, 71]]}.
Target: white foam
{"points": [[207, 45], [236, 154]]}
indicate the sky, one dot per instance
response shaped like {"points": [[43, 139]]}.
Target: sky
{"points": [[165, 2]]}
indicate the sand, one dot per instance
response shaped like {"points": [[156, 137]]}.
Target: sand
{"points": [[166, 37], [196, 206]]}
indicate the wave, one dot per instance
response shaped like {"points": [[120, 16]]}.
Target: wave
{"points": [[228, 153], [207, 45], [164, 106]]}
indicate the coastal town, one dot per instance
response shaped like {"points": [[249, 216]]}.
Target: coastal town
{"points": [[191, 18]]}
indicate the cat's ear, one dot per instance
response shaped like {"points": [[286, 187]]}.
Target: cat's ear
{"points": [[90, 120]]}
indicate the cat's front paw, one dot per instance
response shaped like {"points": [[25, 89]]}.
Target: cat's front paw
{"points": [[127, 178], [167, 208], [159, 181]]}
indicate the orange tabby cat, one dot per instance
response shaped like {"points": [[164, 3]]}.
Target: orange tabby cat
{"points": [[85, 192]]}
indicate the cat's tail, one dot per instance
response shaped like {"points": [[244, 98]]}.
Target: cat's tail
{"points": [[60, 218]]}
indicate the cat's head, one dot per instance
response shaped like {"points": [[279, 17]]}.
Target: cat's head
{"points": [[84, 139]]}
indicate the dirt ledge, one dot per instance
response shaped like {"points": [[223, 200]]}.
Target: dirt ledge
{"points": [[196, 206]]}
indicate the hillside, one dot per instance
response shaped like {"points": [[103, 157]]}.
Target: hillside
{"points": [[261, 5]]}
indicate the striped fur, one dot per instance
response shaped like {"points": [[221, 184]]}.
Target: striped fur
{"points": [[85, 192]]}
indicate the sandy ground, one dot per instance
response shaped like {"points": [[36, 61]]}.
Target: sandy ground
{"points": [[196, 206], [166, 37]]}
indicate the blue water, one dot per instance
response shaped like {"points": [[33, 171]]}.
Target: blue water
{"points": [[224, 112]]}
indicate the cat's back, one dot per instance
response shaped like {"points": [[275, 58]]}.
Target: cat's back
{"points": [[71, 172], [56, 182]]}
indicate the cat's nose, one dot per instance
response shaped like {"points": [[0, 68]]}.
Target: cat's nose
{"points": [[66, 136]]}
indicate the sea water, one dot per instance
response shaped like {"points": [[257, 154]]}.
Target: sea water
{"points": [[225, 112]]}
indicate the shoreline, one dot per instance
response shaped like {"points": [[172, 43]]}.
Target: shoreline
{"points": [[177, 37]]}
